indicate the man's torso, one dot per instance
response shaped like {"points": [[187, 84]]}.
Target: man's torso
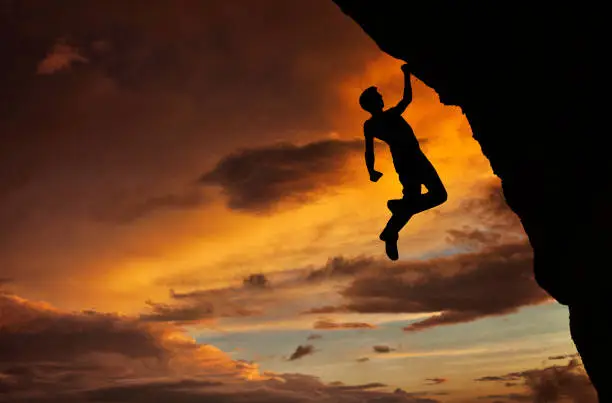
{"points": [[391, 128]]}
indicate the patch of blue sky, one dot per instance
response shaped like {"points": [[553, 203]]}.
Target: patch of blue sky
{"points": [[545, 323]]}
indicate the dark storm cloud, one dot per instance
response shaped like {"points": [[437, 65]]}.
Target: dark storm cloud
{"points": [[256, 180], [302, 351]]}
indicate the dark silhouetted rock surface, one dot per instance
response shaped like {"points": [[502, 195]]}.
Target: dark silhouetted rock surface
{"points": [[533, 81]]}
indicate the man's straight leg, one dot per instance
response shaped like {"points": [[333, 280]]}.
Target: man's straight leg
{"points": [[400, 215]]}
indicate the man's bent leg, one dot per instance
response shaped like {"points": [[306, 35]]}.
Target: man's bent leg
{"points": [[436, 192], [415, 202]]}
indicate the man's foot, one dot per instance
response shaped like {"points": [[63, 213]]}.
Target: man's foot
{"points": [[390, 246], [391, 249]]}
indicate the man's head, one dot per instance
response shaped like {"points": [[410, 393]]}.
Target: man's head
{"points": [[371, 100]]}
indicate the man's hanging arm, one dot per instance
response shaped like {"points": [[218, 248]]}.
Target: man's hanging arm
{"points": [[407, 97], [369, 158]]}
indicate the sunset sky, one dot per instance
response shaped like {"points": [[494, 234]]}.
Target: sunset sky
{"points": [[186, 215]]}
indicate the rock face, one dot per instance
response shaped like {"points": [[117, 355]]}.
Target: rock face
{"points": [[533, 82]]}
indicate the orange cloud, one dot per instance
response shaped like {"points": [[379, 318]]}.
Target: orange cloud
{"points": [[332, 325], [60, 57]]}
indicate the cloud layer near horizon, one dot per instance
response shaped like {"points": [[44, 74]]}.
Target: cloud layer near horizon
{"points": [[54, 356]]}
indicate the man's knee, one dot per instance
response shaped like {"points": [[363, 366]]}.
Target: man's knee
{"points": [[439, 194], [443, 196]]}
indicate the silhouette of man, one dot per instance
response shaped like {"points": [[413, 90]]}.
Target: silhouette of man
{"points": [[412, 166]]}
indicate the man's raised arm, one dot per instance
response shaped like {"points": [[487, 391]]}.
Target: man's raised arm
{"points": [[407, 97]]}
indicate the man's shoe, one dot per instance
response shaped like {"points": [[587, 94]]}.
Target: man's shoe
{"points": [[390, 246]]}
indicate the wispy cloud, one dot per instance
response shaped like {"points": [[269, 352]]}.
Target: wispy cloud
{"points": [[435, 381], [301, 351], [332, 325], [381, 349], [563, 357], [437, 353]]}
